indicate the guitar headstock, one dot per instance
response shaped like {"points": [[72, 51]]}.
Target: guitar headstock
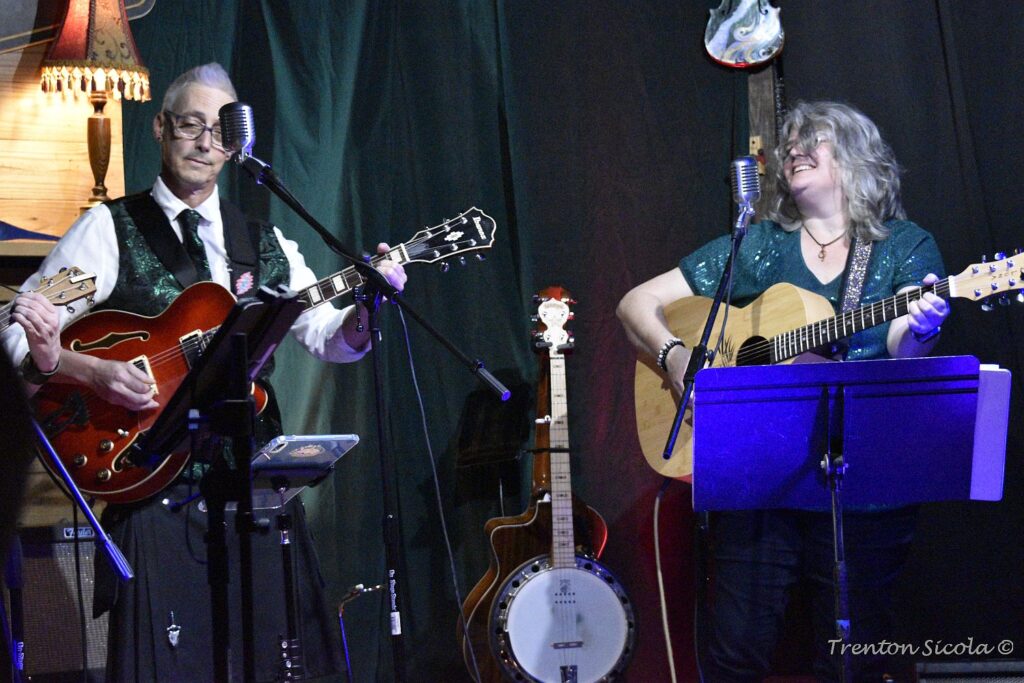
{"points": [[744, 34], [990, 281], [67, 286], [472, 230], [553, 312]]}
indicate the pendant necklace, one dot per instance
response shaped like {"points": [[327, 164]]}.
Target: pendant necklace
{"points": [[821, 253]]}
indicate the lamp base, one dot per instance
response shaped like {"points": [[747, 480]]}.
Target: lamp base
{"points": [[99, 149]]}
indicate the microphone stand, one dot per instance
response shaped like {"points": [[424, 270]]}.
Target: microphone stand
{"points": [[699, 354], [698, 359], [375, 288]]}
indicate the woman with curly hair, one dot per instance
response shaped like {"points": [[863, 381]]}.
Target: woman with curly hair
{"points": [[838, 211]]}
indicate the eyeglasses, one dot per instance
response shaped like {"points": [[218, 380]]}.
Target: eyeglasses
{"points": [[190, 128]]}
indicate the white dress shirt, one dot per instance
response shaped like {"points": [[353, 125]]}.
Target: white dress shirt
{"points": [[91, 244]]}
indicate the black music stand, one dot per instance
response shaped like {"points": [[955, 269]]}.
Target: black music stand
{"points": [[216, 394], [280, 471], [288, 464], [883, 432]]}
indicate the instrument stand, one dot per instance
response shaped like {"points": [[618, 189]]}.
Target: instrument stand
{"points": [[216, 396], [372, 294]]}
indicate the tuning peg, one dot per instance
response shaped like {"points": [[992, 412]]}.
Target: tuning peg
{"points": [[1020, 297], [1004, 300], [571, 316], [987, 306], [481, 257], [534, 319], [462, 260], [445, 267]]}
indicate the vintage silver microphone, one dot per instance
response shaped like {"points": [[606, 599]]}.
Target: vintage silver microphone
{"points": [[746, 183], [746, 188], [237, 130]]}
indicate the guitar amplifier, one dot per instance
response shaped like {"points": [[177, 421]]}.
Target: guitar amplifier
{"points": [[50, 605]]}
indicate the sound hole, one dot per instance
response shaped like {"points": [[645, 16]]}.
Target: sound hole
{"points": [[754, 351]]}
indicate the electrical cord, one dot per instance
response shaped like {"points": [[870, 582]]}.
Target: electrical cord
{"points": [[437, 492]]}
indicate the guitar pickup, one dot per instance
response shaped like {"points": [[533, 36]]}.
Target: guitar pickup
{"points": [[192, 346], [142, 363]]}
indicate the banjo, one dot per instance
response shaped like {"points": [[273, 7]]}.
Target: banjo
{"points": [[561, 616]]}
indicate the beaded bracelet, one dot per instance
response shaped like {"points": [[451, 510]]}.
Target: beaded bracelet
{"points": [[665, 348]]}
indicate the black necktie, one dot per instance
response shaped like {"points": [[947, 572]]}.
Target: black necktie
{"points": [[189, 220]]}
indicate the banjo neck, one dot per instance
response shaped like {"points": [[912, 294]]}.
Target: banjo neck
{"points": [[563, 545]]}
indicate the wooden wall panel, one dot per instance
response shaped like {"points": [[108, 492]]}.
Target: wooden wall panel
{"points": [[45, 176], [45, 179]]}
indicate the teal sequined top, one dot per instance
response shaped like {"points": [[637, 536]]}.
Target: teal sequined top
{"points": [[769, 255]]}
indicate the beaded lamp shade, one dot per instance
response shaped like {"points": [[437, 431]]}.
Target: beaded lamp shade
{"points": [[94, 54]]}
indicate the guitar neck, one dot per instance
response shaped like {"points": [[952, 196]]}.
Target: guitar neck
{"points": [[824, 332], [5, 315], [60, 289], [344, 281], [563, 543]]}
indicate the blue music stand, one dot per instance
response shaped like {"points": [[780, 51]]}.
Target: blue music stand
{"points": [[905, 428], [883, 433]]}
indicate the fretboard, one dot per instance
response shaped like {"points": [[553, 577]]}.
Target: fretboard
{"points": [[824, 332], [343, 282], [563, 544]]}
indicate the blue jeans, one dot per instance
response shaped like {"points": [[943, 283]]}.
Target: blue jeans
{"points": [[758, 556]]}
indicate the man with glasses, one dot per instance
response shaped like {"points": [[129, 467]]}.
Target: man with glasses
{"points": [[145, 249]]}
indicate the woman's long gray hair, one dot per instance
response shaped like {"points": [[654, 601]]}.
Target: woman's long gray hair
{"points": [[868, 172]]}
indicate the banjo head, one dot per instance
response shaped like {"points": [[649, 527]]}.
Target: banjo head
{"points": [[562, 624]]}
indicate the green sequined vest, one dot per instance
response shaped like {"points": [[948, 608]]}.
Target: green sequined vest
{"points": [[145, 286]]}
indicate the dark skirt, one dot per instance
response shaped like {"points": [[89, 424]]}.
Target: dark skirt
{"points": [[168, 553]]}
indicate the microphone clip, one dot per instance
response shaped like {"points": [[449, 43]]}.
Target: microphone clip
{"points": [[743, 217]]}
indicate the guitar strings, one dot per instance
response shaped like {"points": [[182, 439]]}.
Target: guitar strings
{"points": [[7, 310], [806, 334], [100, 407]]}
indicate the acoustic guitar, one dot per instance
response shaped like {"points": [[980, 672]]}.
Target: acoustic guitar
{"points": [[99, 443], [782, 324], [547, 610]]}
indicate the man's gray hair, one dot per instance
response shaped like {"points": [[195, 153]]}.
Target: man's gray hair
{"points": [[211, 75]]}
